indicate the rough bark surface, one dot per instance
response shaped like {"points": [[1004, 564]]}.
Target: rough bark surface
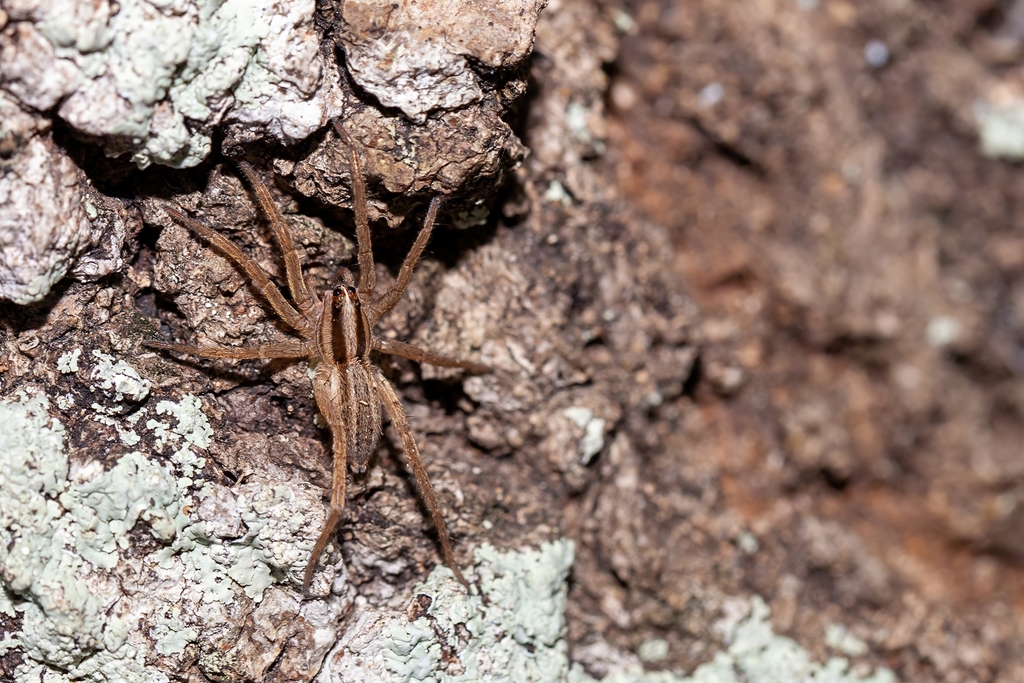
{"points": [[794, 409]]}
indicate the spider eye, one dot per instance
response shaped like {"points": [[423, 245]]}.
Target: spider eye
{"points": [[337, 291]]}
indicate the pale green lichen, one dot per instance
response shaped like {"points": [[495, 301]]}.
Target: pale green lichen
{"points": [[411, 650], [33, 471], [271, 548], [755, 653], [513, 631], [61, 542], [272, 545], [63, 531], [192, 423], [108, 506], [653, 650], [557, 194], [129, 437], [54, 534], [747, 542], [68, 362], [197, 62], [593, 431], [1001, 127], [838, 638], [516, 633], [124, 665], [9, 641], [172, 634], [192, 426], [213, 61], [475, 215], [118, 380], [576, 115], [6, 604]]}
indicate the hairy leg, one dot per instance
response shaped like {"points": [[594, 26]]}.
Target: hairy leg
{"points": [[292, 264], [329, 408], [288, 350], [268, 289], [333, 515], [412, 453], [381, 307], [397, 348], [367, 272]]}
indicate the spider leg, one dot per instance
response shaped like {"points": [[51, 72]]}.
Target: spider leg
{"points": [[396, 348], [329, 407], [333, 516], [268, 289], [288, 350], [383, 305], [412, 453], [293, 266], [367, 272]]}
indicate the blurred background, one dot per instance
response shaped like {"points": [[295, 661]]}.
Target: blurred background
{"points": [[842, 183]]}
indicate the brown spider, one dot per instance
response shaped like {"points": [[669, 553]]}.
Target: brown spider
{"points": [[336, 335]]}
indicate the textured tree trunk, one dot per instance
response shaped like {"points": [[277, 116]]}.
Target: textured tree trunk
{"points": [[161, 512], [637, 491]]}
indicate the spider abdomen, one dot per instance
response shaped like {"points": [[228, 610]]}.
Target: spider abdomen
{"points": [[346, 394]]}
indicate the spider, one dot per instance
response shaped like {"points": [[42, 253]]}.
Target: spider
{"points": [[335, 334]]}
